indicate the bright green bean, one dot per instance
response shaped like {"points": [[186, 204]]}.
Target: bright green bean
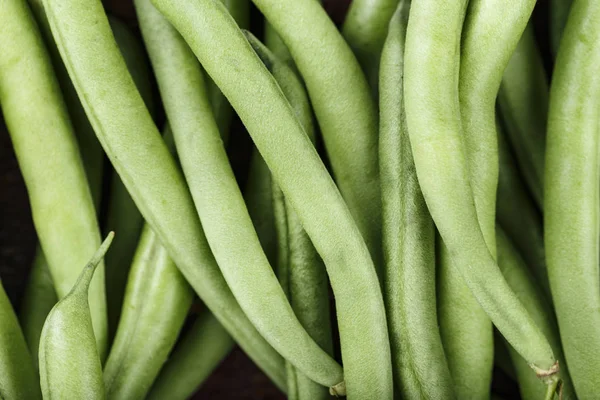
{"points": [[43, 139], [522, 282], [433, 117], [18, 377], [559, 14], [302, 273], [131, 140], [220, 204], [523, 101], [70, 366], [271, 121], [343, 106], [571, 202], [420, 367], [365, 29], [193, 360], [38, 300]]}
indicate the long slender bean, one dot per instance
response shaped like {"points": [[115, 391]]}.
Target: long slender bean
{"points": [[523, 101], [302, 273], [131, 139], [571, 202], [258, 100], [420, 367], [433, 117], [45, 145], [365, 29], [70, 366], [343, 106], [18, 378], [522, 282], [559, 14]]}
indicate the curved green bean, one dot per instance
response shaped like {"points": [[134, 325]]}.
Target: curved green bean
{"points": [[571, 202], [365, 29], [220, 204], [559, 14], [271, 121], [38, 300], [522, 282], [37, 120], [343, 105], [301, 271], [193, 360], [523, 101], [18, 377], [420, 367], [433, 117], [70, 366], [131, 139]]}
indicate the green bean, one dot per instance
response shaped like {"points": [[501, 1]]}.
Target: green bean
{"points": [[262, 107], [365, 29], [130, 138], [420, 367], [18, 378], [38, 300], [343, 106], [571, 203], [559, 14], [522, 282], [433, 117], [61, 203], [221, 207], [70, 366], [523, 101], [181, 376], [302, 273], [502, 358], [518, 216], [156, 303]]}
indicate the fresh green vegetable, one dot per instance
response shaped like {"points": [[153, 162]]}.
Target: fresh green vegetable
{"points": [[559, 14]]}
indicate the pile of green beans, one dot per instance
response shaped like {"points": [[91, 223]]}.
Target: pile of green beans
{"points": [[417, 216]]}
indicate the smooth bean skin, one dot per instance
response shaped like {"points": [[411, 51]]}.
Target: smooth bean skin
{"points": [[221, 207], [523, 101], [38, 300], [433, 117], [130, 139], [181, 376], [559, 14], [284, 145], [365, 29], [571, 204], [522, 282], [18, 377], [37, 120], [343, 105], [420, 367], [301, 272], [70, 366]]}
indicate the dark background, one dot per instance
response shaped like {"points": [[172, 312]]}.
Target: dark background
{"points": [[237, 377]]}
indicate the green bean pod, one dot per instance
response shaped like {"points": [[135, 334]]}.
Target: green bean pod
{"points": [[343, 105], [44, 142], [502, 358], [219, 201], [130, 138], [193, 360], [434, 126], [156, 303], [255, 95], [519, 278], [70, 366], [18, 377], [518, 215], [571, 202], [365, 29], [38, 300], [559, 14], [420, 367], [523, 101], [302, 273]]}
